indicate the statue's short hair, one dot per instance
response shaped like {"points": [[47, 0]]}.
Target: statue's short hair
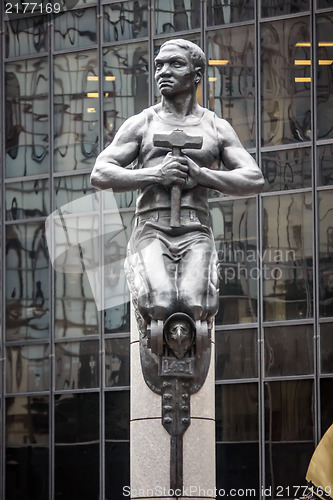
{"points": [[198, 57]]}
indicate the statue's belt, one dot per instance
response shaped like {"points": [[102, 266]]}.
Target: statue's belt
{"points": [[185, 215]]}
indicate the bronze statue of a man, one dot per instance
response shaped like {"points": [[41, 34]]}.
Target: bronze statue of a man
{"points": [[180, 275]]}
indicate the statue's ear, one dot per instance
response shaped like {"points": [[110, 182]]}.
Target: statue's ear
{"points": [[198, 75]]}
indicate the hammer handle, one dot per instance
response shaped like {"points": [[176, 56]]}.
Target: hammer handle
{"points": [[176, 194]]}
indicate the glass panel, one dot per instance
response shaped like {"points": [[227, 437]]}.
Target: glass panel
{"points": [[237, 469], [117, 362], [74, 187], [324, 48], [289, 350], [234, 227], [286, 467], [27, 282], [25, 36], [325, 253], [282, 7], [125, 20], [289, 431], [28, 368], [76, 110], [27, 454], [117, 415], [325, 165], [76, 28], [76, 314], [76, 365], [231, 79], [27, 199], [176, 15], [237, 412], [77, 446], [287, 257], [326, 347], [116, 292], [27, 117], [290, 169], [236, 354], [117, 464], [286, 82], [289, 411], [233, 11], [326, 403], [125, 85], [321, 4]]}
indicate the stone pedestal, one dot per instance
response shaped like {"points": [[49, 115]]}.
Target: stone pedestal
{"points": [[150, 442]]}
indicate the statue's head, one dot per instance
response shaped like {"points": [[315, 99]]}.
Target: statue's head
{"points": [[197, 56]]}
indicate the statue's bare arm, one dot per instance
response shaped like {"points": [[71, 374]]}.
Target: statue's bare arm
{"points": [[242, 176], [109, 171]]}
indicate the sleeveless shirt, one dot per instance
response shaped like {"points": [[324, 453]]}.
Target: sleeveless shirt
{"points": [[156, 196]]}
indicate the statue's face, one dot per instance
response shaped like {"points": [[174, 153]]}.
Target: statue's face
{"points": [[174, 71]]}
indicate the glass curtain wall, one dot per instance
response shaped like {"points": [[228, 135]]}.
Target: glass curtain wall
{"points": [[67, 84]]}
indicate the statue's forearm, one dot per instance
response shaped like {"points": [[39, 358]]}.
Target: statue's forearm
{"points": [[119, 179], [238, 182]]}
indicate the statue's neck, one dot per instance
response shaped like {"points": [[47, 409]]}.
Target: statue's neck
{"points": [[179, 107]]}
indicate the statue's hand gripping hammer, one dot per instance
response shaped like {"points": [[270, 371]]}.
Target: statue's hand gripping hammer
{"points": [[177, 141]]}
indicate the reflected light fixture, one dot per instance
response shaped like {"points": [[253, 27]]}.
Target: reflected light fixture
{"points": [[218, 62]]}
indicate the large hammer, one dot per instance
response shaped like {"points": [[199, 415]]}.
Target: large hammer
{"points": [[177, 140]]}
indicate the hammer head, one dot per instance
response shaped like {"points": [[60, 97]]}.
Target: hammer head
{"points": [[177, 139]]}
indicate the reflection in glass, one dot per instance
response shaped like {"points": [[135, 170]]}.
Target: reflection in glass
{"points": [[289, 410], [117, 362], [237, 412], [27, 282], [324, 46], [326, 253], [75, 110], [236, 354], [117, 464], [27, 199], [26, 36], [287, 169], [125, 20], [76, 365], [326, 347], [325, 165], [286, 82], [125, 84], [117, 415], [27, 454], [231, 79], [233, 11], [289, 431], [321, 4], [287, 257], [75, 28], [75, 187], [75, 309], [27, 368], [117, 298], [77, 446], [326, 403], [176, 15], [234, 227], [282, 7], [27, 117], [289, 350]]}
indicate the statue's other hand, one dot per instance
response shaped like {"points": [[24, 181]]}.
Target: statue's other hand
{"points": [[192, 174], [174, 170]]}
